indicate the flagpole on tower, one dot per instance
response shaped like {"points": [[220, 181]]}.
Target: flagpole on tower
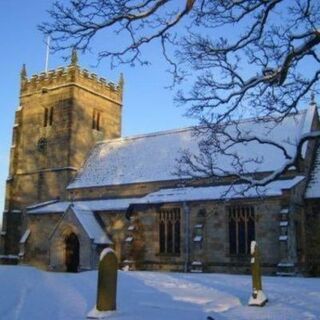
{"points": [[47, 53]]}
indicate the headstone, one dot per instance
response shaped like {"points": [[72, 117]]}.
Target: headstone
{"points": [[107, 285], [257, 298]]}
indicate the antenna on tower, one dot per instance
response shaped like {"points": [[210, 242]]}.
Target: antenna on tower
{"points": [[47, 53]]}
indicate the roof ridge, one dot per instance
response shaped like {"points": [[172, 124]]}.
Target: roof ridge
{"points": [[189, 128], [149, 134]]}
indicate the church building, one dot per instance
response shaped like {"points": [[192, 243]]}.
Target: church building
{"points": [[76, 186]]}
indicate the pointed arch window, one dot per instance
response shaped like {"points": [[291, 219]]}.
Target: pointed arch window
{"points": [[241, 229], [169, 231]]}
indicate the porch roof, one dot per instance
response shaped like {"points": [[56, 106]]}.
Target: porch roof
{"points": [[90, 224], [93, 205]]}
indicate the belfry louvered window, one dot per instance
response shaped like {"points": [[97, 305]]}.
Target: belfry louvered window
{"points": [[48, 117], [241, 229], [96, 118], [169, 231]]}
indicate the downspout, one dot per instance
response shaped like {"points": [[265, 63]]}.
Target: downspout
{"points": [[186, 212]]}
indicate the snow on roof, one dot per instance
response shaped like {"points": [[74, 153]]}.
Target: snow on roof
{"points": [[90, 225], [93, 205], [307, 125], [152, 157], [313, 188], [25, 236], [42, 204], [173, 195], [219, 192], [106, 251], [49, 207]]}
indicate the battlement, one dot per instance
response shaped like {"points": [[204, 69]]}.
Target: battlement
{"points": [[71, 75]]}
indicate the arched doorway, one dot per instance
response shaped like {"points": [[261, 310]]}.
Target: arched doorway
{"points": [[72, 253]]}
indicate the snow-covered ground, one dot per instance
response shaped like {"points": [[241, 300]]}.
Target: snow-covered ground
{"points": [[27, 293]]}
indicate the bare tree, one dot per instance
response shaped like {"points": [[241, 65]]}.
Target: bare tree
{"points": [[257, 58]]}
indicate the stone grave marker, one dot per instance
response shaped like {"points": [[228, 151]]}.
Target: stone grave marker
{"points": [[107, 285], [257, 298]]}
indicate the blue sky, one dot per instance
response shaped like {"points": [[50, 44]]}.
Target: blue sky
{"points": [[148, 106]]}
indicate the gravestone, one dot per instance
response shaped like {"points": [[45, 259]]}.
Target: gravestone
{"points": [[257, 298], [107, 285]]}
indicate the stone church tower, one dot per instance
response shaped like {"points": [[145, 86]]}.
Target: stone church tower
{"points": [[62, 114]]}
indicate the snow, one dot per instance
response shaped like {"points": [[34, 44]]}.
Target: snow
{"points": [[134, 159], [285, 264], [153, 157], [307, 126], [25, 236], [217, 192], [42, 204], [96, 314], [22, 242], [93, 205], [252, 247], [275, 188], [91, 226], [9, 256], [27, 293], [258, 298], [128, 261], [105, 251], [197, 239], [129, 239]]}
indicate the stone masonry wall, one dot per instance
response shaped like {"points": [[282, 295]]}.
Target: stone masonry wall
{"points": [[214, 251], [312, 236], [45, 154], [115, 225], [37, 245]]}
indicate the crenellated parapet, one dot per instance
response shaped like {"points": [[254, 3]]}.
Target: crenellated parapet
{"points": [[71, 75]]}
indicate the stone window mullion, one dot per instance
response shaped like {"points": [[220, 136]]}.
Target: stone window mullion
{"points": [[241, 229], [169, 231]]}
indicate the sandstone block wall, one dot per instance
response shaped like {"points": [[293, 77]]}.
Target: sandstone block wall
{"points": [[214, 250], [53, 135]]}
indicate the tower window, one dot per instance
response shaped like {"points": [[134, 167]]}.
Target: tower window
{"points": [[96, 118], [241, 229], [169, 231], [42, 145], [48, 117]]}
